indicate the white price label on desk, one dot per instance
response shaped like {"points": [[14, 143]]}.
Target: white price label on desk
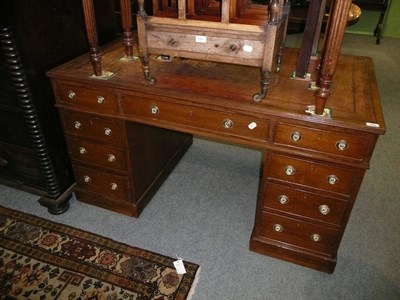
{"points": [[201, 39]]}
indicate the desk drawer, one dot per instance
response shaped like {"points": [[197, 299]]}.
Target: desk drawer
{"points": [[101, 183], [312, 174], [299, 233], [340, 144], [203, 120], [98, 154], [104, 130], [305, 204], [97, 100]]}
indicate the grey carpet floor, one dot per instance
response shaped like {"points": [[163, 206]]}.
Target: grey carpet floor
{"points": [[204, 213]]}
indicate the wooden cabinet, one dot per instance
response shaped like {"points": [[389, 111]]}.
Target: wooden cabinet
{"points": [[35, 37], [312, 166], [112, 170]]}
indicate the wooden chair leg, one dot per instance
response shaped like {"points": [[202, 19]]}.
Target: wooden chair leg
{"points": [[126, 17], [143, 48], [90, 23], [334, 39], [286, 12], [264, 84]]}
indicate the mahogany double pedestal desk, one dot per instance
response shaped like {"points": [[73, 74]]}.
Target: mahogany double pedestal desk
{"points": [[125, 136]]}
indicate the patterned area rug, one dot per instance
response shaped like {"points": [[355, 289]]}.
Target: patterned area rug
{"points": [[40, 259]]}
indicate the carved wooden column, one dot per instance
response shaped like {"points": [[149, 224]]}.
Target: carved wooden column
{"points": [[335, 32], [55, 199]]}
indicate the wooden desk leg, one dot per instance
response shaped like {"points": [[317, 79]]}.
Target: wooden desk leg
{"points": [[126, 16], [90, 22], [335, 32]]}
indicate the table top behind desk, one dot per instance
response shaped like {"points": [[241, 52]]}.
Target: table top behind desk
{"points": [[354, 99]]}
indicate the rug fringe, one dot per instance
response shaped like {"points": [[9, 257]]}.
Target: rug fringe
{"points": [[194, 285]]}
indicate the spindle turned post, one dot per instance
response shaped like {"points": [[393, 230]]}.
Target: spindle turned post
{"points": [[91, 31], [335, 32], [274, 12], [126, 17], [143, 48]]}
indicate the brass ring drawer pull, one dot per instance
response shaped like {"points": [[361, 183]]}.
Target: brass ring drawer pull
{"points": [[77, 125], [290, 170], [324, 209], [107, 131], [82, 150], [154, 110], [172, 42], [315, 237], [283, 199], [332, 179], [86, 179], [111, 158], [295, 136], [114, 186], [233, 47], [100, 99], [342, 145], [227, 123], [71, 95], [278, 227]]}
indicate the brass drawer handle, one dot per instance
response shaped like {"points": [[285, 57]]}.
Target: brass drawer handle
{"points": [[227, 123], [295, 136], [71, 95], [77, 125], [324, 209], [278, 227], [172, 42], [86, 179], [283, 199], [114, 186], [233, 47], [290, 170], [342, 145], [332, 179], [154, 110], [111, 158], [82, 150], [100, 99], [107, 131], [315, 237]]}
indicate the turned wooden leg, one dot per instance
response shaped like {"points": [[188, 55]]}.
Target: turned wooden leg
{"points": [[337, 25], [322, 93], [126, 17], [146, 68], [286, 12], [143, 48], [90, 23], [264, 86]]}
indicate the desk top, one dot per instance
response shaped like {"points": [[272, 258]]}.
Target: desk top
{"points": [[354, 99]]}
